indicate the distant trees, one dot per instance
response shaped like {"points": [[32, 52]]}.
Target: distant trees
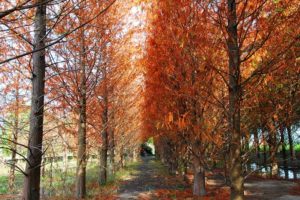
{"points": [[13, 122], [77, 79], [181, 90]]}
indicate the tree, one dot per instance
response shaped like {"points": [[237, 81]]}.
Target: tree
{"points": [[31, 189], [182, 107], [234, 88]]}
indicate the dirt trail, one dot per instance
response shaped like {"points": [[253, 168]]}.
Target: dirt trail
{"points": [[148, 178]]}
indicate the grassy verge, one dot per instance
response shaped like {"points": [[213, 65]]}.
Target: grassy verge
{"points": [[159, 167], [61, 185], [4, 183]]}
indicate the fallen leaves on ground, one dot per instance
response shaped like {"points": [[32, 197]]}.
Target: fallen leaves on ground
{"points": [[222, 193], [295, 190]]}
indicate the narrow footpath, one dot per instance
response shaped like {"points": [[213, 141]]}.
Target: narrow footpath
{"points": [[149, 177]]}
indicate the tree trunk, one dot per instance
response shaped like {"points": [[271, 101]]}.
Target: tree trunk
{"points": [[11, 179], [199, 180], [31, 188], [81, 153], [295, 174], [256, 143], [103, 161], [11, 176], [226, 168], [264, 147], [273, 151], [112, 153], [283, 150], [104, 135], [291, 143], [135, 154], [122, 156], [51, 177], [65, 168], [236, 178], [185, 171]]}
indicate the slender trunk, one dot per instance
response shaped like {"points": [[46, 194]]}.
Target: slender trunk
{"points": [[264, 147], [185, 171], [65, 169], [247, 150], [43, 167], [31, 188], [121, 161], [273, 151], [283, 150], [11, 181], [81, 153], [103, 159], [291, 143], [112, 152], [226, 169], [134, 155], [51, 177], [173, 161], [256, 143], [295, 174], [199, 180], [236, 177], [104, 135]]}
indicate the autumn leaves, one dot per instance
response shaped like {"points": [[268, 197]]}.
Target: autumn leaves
{"points": [[201, 77], [206, 61]]}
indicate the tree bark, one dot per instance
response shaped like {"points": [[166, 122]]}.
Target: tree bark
{"points": [[103, 159], [256, 143], [283, 150], [291, 143], [51, 176], [81, 153], [236, 177], [121, 162], [104, 135], [11, 181], [31, 188], [65, 161], [112, 152], [226, 168], [273, 151], [199, 180], [11, 176], [264, 147]]}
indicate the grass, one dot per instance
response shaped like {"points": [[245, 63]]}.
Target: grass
{"points": [[160, 167], [63, 183], [297, 147], [4, 183], [287, 147], [125, 173], [110, 188]]}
